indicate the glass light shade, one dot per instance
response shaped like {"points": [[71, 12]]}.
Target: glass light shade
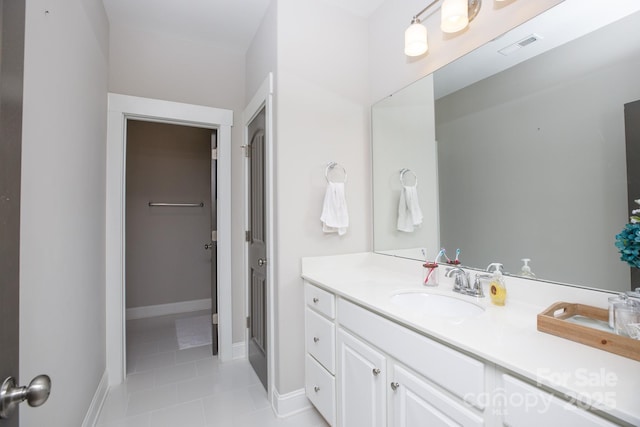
{"points": [[415, 40], [455, 15]]}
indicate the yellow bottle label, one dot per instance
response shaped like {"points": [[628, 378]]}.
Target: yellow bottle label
{"points": [[498, 293]]}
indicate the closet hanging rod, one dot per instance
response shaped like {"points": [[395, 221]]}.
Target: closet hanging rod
{"points": [[178, 205]]}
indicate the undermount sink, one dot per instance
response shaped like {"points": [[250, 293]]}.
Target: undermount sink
{"points": [[435, 304]]}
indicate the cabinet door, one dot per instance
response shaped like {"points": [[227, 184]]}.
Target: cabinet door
{"points": [[416, 403], [361, 377]]}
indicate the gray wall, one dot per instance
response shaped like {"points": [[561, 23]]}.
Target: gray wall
{"points": [[165, 257], [62, 233], [541, 164]]}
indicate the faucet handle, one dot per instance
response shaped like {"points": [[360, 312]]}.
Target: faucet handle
{"points": [[477, 286]]}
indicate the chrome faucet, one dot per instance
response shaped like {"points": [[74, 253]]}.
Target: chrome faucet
{"points": [[461, 279], [462, 284]]}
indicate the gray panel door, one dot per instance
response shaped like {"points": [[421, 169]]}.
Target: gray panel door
{"points": [[257, 248], [632, 136], [214, 244], [11, 77]]}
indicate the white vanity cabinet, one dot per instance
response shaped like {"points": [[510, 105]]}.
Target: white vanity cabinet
{"points": [[364, 370], [320, 340], [404, 378]]}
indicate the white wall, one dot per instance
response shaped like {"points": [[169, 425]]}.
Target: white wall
{"points": [[329, 68], [322, 115], [162, 66], [62, 255], [390, 69], [261, 58]]}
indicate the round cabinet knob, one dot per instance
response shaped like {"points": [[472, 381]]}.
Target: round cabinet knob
{"points": [[394, 386], [316, 339], [316, 389], [208, 246], [376, 372], [315, 300], [262, 262]]}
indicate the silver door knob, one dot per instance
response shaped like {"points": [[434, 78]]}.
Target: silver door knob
{"points": [[36, 393], [262, 262], [208, 246], [394, 386]]}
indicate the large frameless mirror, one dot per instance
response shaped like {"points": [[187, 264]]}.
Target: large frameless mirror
{"points": [[518, 149]]}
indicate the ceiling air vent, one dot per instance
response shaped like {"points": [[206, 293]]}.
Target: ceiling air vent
{"points": [[520, 44]]}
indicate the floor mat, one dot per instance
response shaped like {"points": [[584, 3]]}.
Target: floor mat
{"points": [[193, 331]]}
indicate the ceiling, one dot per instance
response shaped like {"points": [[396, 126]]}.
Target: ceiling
{"points": [[229, 22]]}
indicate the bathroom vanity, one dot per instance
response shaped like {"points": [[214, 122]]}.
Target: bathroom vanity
{"points": [[382, 349]]}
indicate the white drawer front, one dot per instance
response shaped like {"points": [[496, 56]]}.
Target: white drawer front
{"points": [[320, 387], [320, 339], [460, 374], [320, 300], [528, 406]]}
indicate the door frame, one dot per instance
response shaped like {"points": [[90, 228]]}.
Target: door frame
{"points": [[262, 98], [120, 109]]}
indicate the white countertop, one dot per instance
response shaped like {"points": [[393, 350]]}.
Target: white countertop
{"points": [[506, 336]]}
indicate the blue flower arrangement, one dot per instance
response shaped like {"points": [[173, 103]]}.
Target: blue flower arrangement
{"points": [[628, 240]]}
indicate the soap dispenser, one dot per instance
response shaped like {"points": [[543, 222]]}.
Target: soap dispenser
{"points": [[497, 287], [526, 270]]}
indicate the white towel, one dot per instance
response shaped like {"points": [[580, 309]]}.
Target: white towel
{"points": [[335, 217], [409, 213]]}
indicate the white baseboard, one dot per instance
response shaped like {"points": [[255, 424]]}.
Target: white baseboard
{"points": [[291, 403], [165, 309], [91, 418], [239, 350]]}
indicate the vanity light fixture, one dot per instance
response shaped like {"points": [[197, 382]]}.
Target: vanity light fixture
{"points": [[455, 16]]}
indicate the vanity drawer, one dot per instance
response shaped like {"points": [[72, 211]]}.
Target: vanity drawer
{"points": [[320, 300], [528, 406], [452, 370], [320, 339], [320, 387]]}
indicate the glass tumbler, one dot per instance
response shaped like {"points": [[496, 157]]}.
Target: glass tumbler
{"points": [[627, 318]]}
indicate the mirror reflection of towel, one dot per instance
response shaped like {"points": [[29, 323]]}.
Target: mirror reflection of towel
{"points": [[335, 217], [409, 213]]}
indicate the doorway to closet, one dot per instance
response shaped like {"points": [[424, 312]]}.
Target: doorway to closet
{"points": [[170, 247], [123, 108]]}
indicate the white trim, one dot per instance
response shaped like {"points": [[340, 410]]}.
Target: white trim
{"points": [[239, 350], [288, 404], [121, 108], [165, 309], [99, 397], [263, 97]]}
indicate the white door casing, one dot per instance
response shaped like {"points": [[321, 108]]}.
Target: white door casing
{"points": [[121, 108], [263, 98]]}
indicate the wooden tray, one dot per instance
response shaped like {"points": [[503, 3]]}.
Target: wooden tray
{"points": [[553, 321]]}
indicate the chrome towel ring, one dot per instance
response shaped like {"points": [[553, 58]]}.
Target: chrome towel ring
{"points": [[403, 172], [330, 167]]}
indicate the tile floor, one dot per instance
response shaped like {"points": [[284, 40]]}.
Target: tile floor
{"points": [[166, 386]]}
